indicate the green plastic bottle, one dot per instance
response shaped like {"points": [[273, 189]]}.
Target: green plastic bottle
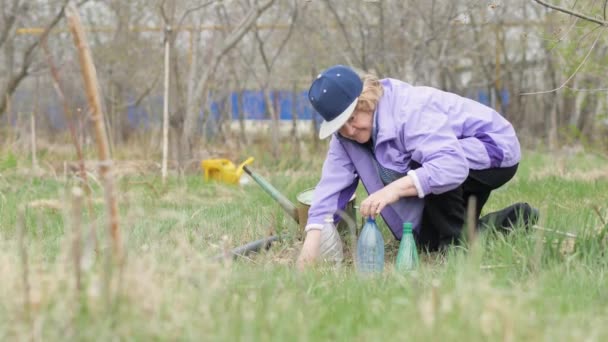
{"points": [[407, 257]]}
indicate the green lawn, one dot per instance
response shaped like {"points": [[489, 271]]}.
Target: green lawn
{"points": [[526, 286]]}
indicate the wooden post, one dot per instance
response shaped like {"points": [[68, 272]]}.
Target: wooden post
{"points": [[33, 141], [77, 239], [33, 126], [105, 162], [294, 119], [497, 85], [471, 221], [9, 116], [21, 229], [166, 106], [313, 123]]}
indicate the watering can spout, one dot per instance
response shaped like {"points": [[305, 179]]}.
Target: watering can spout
{"points": [[285, 203]]}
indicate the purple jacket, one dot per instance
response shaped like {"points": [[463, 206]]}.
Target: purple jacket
{"points": [[447, 134]]}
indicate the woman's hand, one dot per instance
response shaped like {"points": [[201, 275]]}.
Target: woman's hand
{"points": [[310, 249], [374, 203]]}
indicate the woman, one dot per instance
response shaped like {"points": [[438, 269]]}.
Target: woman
{"points": [[420, 153]]}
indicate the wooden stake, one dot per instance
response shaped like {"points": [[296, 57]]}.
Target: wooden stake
{"points": [[472, 220], [9, 115], [33, 141], [24, 262], [77, 239], [92, 88], [33, 126], [55, 77]]}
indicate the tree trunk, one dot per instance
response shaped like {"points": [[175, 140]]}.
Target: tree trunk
{"points": [[552, 125], [274, 122], [294, 120], [165, 128], [241, 111]]}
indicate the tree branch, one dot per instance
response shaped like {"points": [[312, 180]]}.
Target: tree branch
{"points": [[261, 49], [9, 22], [575, 71], [342, 27], [28, 56], [193, 9], [161, 9], [138, 99], [574, 13], [292, 24]]}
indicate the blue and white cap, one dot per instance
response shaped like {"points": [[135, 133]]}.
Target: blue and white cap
{"points": [[334, 94]]}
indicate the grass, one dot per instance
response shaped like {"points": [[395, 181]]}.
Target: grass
{"points": [[525, 286]]}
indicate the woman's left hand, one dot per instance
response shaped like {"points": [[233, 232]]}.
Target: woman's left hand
{"points": [[374, 204]]}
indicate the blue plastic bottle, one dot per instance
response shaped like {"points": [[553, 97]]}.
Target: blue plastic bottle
{"points": [[370, 248]]}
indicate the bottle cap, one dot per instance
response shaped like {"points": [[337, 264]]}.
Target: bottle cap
{"points": [[371, 219], [328, 219], [407, 227]]}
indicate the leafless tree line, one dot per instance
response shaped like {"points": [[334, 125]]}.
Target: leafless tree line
{"points": [[548, 57]]}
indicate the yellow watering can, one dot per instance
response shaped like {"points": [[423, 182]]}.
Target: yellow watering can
{"points": [[223, 170]]}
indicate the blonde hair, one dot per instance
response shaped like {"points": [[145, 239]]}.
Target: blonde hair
{"points": [[371, 94]]}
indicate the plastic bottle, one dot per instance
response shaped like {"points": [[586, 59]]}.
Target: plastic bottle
{"points": [[370, 248], [330, 248], [407, 257]]}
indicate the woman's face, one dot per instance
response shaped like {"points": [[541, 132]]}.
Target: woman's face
{"points": [[358, 127]]}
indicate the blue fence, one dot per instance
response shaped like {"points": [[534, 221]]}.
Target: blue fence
{"points": [[254, 108]]}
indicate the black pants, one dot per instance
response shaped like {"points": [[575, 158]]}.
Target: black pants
{"points": [[444, 214]]}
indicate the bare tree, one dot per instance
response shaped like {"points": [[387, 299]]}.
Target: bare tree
{"points": [[269, 54], [174, 20], [582, 50], [199, 94]]}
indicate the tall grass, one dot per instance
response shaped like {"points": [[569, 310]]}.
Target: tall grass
{"points": [[523, 286]]}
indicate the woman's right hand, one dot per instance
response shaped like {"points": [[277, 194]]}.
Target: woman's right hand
{"points": [[310, 249]]}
